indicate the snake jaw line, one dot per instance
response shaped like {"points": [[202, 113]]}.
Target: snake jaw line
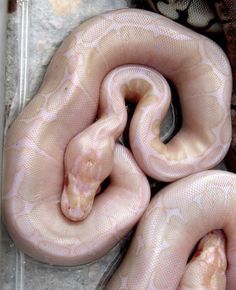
{"points": [[85, 172], [77, 198]]}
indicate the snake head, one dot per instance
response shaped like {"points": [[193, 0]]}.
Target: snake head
{"points": [[82, 182]]}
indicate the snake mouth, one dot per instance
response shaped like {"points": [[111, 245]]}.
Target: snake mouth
{"points": [[75, 207], [77, 199]]}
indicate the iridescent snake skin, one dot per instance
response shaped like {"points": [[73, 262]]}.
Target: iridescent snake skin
{"points": [[63, 146]]}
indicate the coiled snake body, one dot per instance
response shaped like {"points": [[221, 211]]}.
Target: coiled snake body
{"points": [[55, 161]]}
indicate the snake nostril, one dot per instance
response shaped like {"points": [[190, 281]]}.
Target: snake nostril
{"points": [[66, 180]]}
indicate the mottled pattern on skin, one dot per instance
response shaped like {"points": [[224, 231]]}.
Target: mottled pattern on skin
{"points": [[53, 141], [41, 230], [207, 268], [89, 154], [177, 217]]}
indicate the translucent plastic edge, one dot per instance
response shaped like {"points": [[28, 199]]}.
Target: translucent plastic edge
{"points": [[22, 53], [19, 100], [3, 24], [23, 9]]}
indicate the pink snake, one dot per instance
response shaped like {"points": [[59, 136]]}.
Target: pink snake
{"points": [[55, 160]]}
